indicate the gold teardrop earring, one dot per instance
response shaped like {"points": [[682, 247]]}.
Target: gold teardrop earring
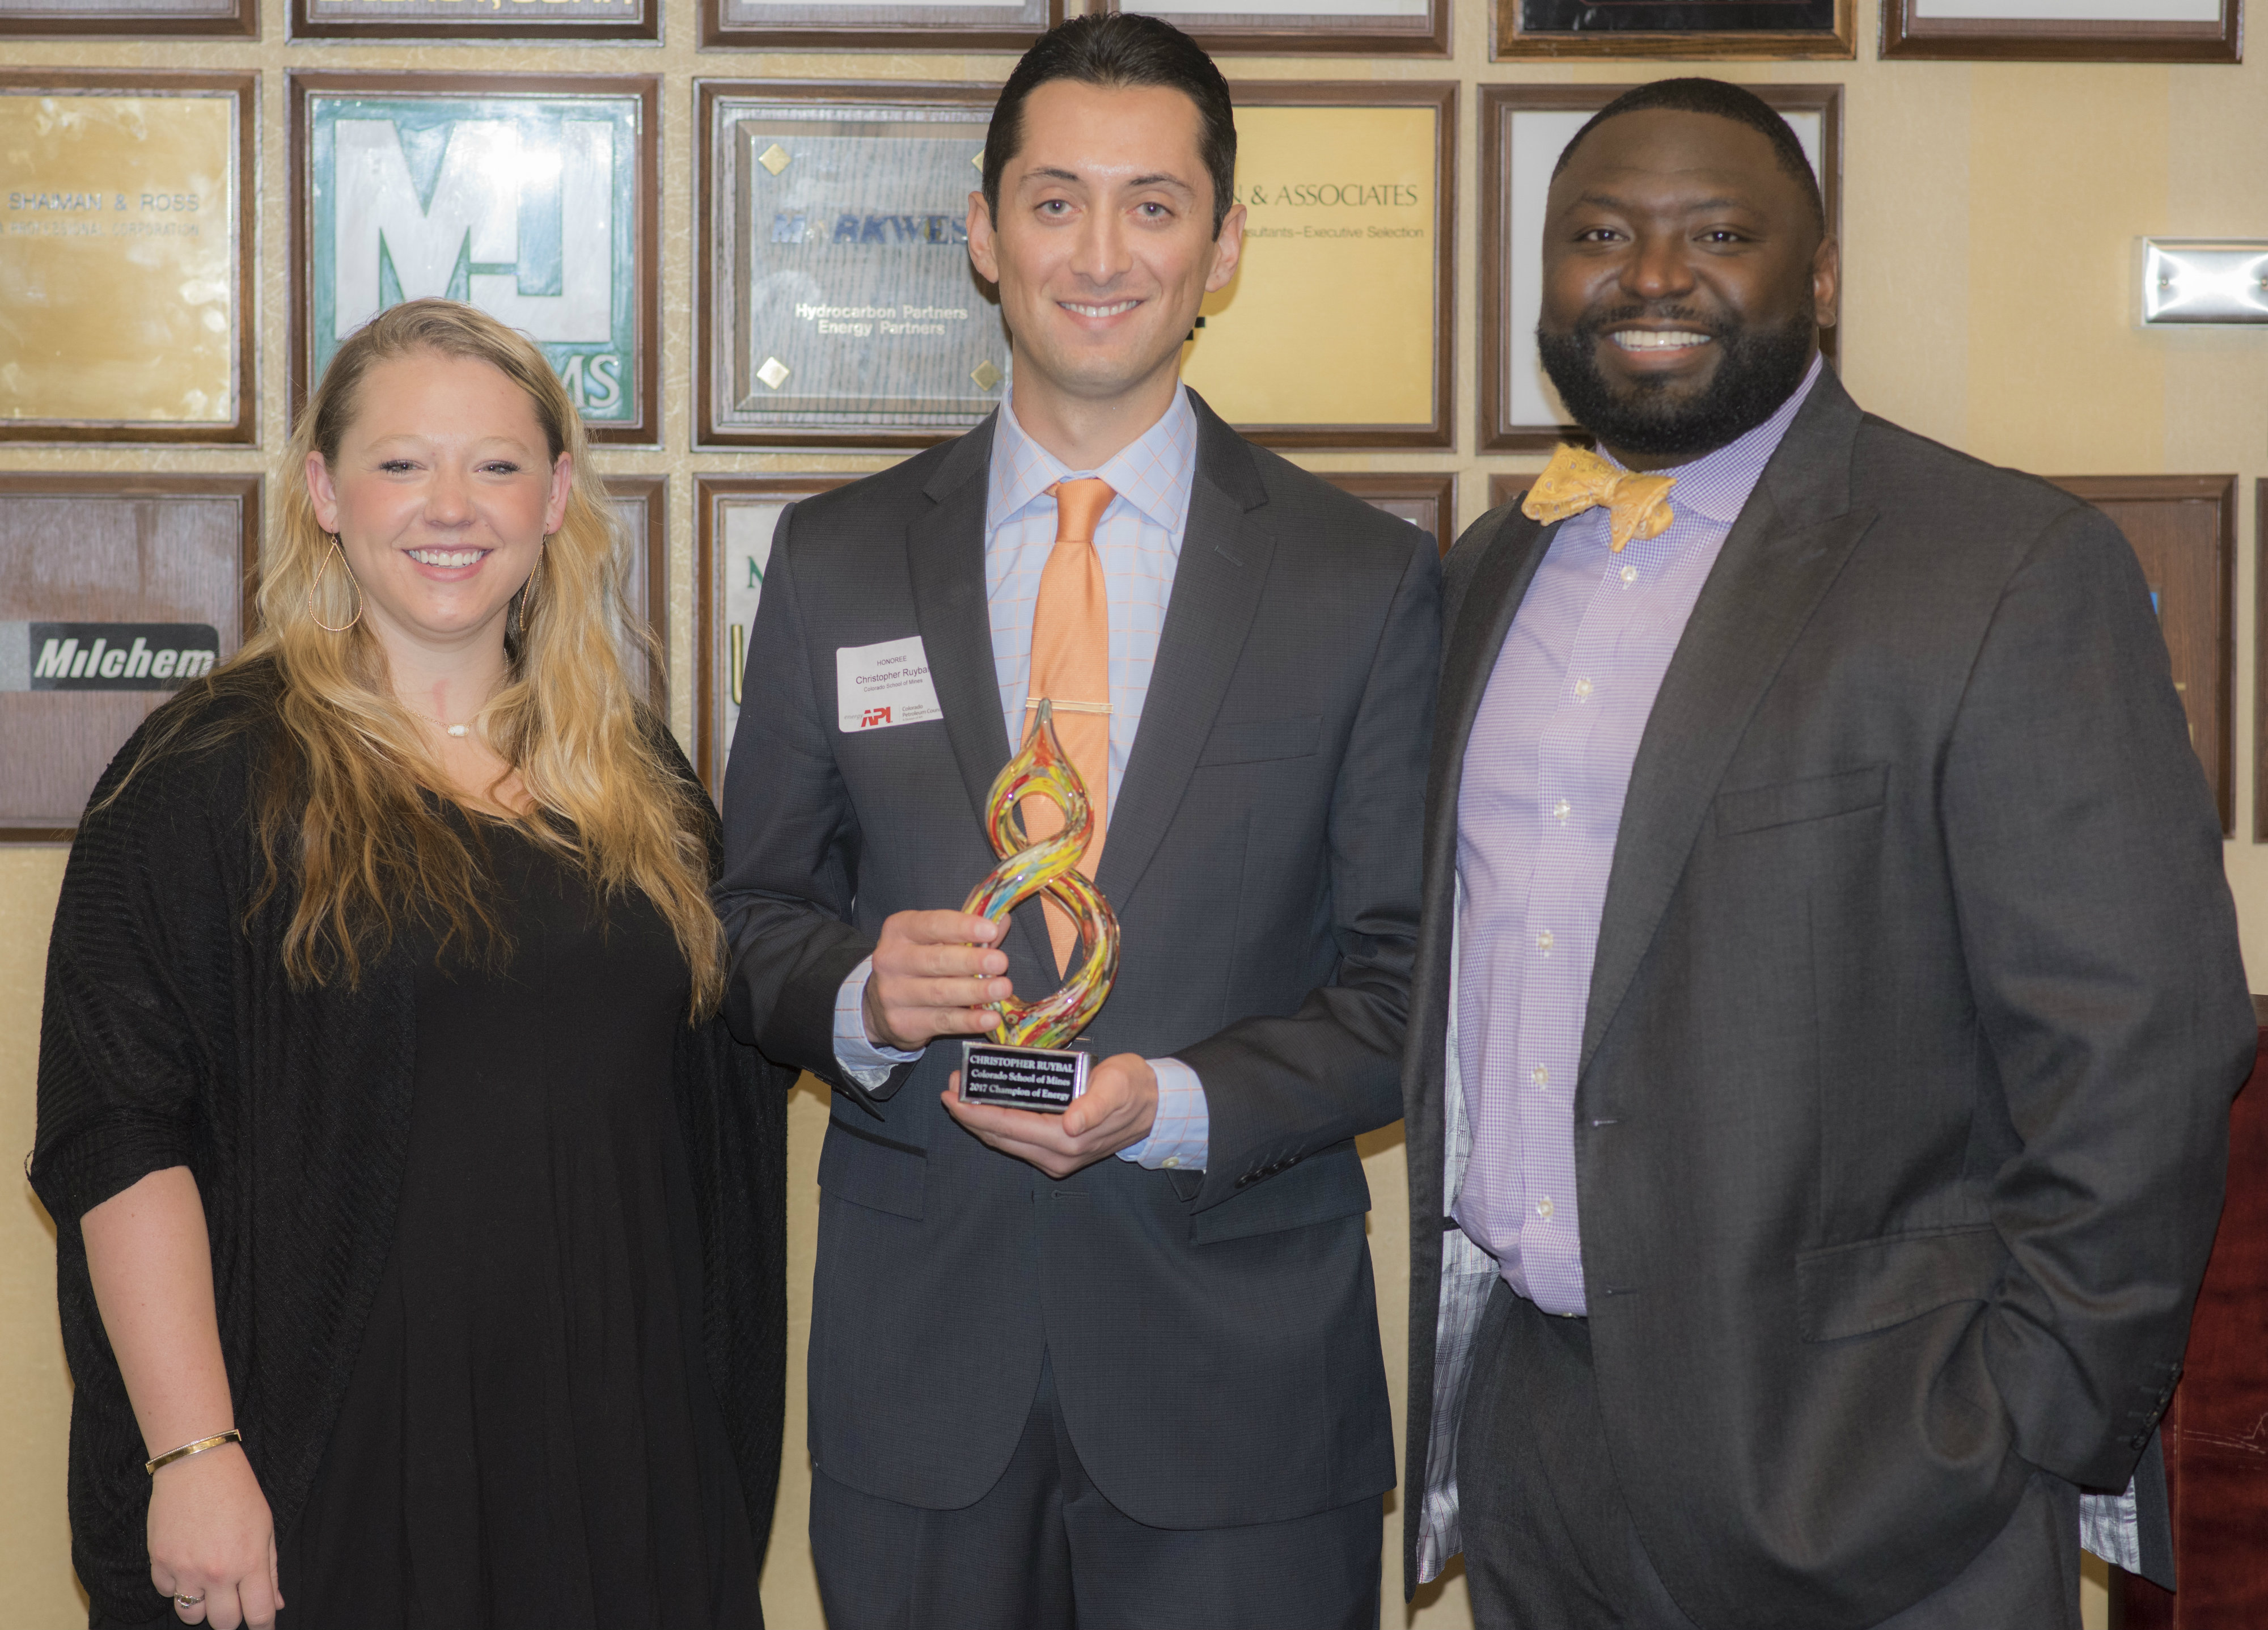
{"points": [[353, 587], [519, 602]]}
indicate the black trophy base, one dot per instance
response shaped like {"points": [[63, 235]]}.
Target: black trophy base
{"points": [[1045, 1079]]}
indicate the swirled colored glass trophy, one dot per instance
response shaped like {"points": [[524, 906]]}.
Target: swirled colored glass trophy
{"points": [[1025, 1065]]}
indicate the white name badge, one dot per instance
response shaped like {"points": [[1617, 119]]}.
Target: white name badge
{"points": [[880, 687]]}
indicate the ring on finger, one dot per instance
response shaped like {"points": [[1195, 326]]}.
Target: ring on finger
{"points": [[186, 1601]]}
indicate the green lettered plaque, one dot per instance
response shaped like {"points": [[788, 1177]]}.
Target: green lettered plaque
{"points": [[527, 198]]}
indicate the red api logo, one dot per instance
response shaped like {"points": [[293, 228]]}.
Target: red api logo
{"points": [[873, 716]]}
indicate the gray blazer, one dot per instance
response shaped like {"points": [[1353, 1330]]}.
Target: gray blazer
{"points": [[1214, 1336], [1917, 1008]]}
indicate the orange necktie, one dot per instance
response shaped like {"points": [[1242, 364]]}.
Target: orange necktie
{"points": [[1071, 666], [1577, 479]]}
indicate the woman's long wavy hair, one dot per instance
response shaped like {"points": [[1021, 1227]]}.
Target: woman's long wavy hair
{"points": [[350, 825]]}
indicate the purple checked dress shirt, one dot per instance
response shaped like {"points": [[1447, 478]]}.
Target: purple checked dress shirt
{"points": [[1546, 772]]}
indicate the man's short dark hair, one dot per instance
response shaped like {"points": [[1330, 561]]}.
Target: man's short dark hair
{"points": [[1114, 50], [1736, 102]]}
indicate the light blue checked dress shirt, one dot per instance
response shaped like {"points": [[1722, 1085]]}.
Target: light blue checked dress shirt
{"points": [[1546, 772], [1139, 540]]}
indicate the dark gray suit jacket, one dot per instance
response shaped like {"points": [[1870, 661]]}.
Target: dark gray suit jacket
{"points": [[1214, 1339], [1917, 1008]]}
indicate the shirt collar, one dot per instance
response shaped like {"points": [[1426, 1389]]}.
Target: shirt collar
{"points": [[1716, 486], [1151, 474]]}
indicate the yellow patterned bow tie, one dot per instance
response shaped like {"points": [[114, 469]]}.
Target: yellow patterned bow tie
{"points": [[1637, 506]]}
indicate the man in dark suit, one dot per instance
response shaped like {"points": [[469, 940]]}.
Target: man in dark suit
{"points": [[1119, 1365], [1829, 1001]]}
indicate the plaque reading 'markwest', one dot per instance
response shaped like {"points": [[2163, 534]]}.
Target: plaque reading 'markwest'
{"points": [[839, 303]]}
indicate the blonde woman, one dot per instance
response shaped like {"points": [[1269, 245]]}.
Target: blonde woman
{"points": [[419, 1230]]}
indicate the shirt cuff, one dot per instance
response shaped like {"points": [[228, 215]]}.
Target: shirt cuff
{"points": [[1182, 1133], [860, 1059]]}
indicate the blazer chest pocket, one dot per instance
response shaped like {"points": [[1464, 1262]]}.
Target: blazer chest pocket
{"points": [[1814, 798], [872, 1170], [1252, 741], [1856, 1289]]}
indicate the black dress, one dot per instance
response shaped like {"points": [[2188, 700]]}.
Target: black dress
{"points": [[529, 1438]]}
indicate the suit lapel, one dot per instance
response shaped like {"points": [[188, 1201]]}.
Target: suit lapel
{"points": [[1790, 542], [1226, 556], [944, 560]]}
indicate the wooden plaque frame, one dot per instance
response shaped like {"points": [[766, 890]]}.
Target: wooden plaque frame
{"points": [[878, 28], [1314, 33], [645, 301], [241, 21], [652, 572], [149, 484], [1498, 433], [1504, 486], [244, 430], [2024, 39], [1438, 487], [2260, 660], [2196, 609], [711, 660], [1441, 97], [1511, 43], [712, 326], [436, 29]]}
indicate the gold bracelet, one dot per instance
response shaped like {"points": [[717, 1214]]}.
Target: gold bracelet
{"points": [[198, 1447]]}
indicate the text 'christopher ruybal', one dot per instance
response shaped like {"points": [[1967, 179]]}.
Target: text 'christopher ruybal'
{"points": [[104, 656]]}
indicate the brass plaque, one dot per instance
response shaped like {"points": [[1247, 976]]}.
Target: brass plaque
{"points": [[1335, 330], [119, 266]]}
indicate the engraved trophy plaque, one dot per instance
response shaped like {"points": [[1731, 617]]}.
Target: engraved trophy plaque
{"points": [[1026, 1066]]}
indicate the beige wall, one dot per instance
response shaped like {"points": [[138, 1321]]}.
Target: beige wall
{"points": [[1989, 210]]}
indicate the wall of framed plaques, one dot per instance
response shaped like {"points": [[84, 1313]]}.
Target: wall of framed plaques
{"points": [[197, 197]]}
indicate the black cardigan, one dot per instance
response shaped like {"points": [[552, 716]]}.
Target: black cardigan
{"points": [[170, 1036]]}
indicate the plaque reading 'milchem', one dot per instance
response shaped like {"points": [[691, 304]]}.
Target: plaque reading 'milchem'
{"points": [[115, 590], [838, 304], [125, 228]]}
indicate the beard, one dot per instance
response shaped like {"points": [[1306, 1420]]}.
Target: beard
{"points": [[1758, 369]]}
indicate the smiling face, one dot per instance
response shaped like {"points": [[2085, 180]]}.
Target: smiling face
{"points": [[442, 493], [1685, 279], [1104, 247]]}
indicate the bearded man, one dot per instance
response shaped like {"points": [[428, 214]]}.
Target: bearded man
{"points": [[1828, 1002]]}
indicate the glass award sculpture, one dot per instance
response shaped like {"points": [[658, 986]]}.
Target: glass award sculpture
{"points": [[1026, 1066]]}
